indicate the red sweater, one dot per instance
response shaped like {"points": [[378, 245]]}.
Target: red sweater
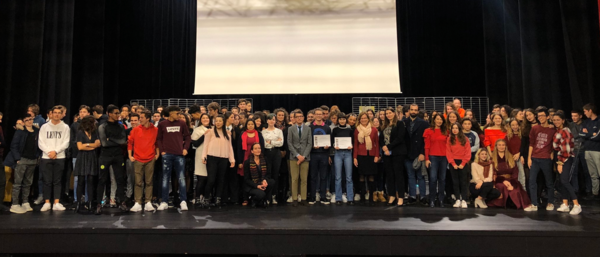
{"points": [[540, 138], [435, 143], [514, 144], [361, 149], [173, 137], [458, 152], [491, 136], [142, 141]]}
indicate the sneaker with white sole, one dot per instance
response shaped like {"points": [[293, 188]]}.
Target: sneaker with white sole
{"points": [[463, 204], [357, 197], [456, 204], [46, 207], [136, 208], [183, 206], [531, 208], [576, 210], [58, 207], [163, 206], [318, 198], [344, 198], [39, 200], [563, 208], [299, 198], [328, 196], [290, 199], [149, 207], [17, 209], [274, 200], [311, 202], [550, 207], [332, 200], [367, 196], [326, 202], [27, 207]]}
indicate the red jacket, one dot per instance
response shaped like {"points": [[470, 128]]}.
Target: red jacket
{"points": [[435, 143], [458, 152], [142, 141], [491, 136], [361, 149]]}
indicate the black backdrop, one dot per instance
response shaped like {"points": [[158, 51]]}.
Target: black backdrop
{"points": [[520, 52]]}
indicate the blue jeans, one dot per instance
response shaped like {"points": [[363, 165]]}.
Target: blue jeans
{"points": [[343, 159], [177, 162], [413, 176], [437, 177], [319, 164], [75, 179], [544, 165]]}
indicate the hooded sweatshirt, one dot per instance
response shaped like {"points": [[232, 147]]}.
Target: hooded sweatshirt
{"points": [[54, 138]]}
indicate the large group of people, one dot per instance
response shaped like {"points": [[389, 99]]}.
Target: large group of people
{"points": [[137, 159]]}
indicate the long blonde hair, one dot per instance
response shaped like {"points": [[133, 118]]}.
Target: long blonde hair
{"points": [[510, 133], [507, 155]]}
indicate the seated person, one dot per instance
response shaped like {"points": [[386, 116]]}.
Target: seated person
{"points": [[482, 185], [257, 177], [507, 178]]}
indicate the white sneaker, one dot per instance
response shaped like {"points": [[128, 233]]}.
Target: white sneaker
{"points": [[26, 206], [456, 204], [357, 197], [576, 210], [367, 196], [15, 208], [290, 200], [463, 204], [46, 207], [183, 206], [318, 197], [39, 200], [163, 206], [453, 197], [58, 207], [328, 196], [550, 207], [148, 207], [274, 200], [563, 208], [299, 198], [531, 208], [311, 202], [136, 208], [344, 198], [332, 199]]}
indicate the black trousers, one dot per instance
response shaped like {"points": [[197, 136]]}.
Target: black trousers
{"points": [[231, 184], [394, 169], [3, 182], [259, 195], [273, 158], [460, 180], [118, 165], [486, 191], [216, 168], [200, 185], [52, 171], [81, 185]]}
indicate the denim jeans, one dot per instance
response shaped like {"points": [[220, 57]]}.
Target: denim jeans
{"points": [[544, 165], [319, 164], [343, 159], [437, 177], [413, 176], [174, 163]]}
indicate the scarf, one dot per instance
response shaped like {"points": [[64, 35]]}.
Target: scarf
{"points": [[245, 138], [254, 170], [364, 136], [486, 167]]}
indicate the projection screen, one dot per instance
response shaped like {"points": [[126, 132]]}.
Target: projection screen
{"points": [[296, 47]]}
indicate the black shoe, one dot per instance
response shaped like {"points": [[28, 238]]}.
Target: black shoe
{"points": [[303, 202], [351, 203], [424, 201], [99, 209], [441, 204], [338, 202], [218, 202], [410, 201], [124, 207], [295, 204], [392, 203], [432, 204]]}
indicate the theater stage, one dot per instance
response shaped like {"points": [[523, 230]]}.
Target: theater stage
{"points": [[307, 230]]}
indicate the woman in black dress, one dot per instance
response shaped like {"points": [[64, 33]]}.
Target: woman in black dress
{"points": [[87, 160]]}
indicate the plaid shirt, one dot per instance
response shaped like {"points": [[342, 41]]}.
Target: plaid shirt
{"points": [[564, 145]]}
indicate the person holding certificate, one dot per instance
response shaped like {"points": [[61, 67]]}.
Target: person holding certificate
{"points": [[341, 138], [366, 155], [319, 161], [394, 154]]}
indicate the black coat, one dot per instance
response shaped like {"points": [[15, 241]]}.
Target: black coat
{"points": [[248, 183], [17, 147], [414, 140], [397, 140]]}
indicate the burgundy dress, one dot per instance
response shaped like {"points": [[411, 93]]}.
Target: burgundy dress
{"points": [[517, 195]]}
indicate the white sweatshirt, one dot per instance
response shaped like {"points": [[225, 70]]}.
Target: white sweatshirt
{"points": [[54, 138]]}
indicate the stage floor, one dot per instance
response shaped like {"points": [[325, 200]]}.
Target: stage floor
{"points": [[318, 229]]}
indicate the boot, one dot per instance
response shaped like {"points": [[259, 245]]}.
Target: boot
{"points": [[382, 197]]}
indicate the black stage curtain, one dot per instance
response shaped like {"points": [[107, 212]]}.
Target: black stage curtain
{"points": [[520, 52]]}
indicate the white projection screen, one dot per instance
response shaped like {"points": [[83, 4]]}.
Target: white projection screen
{"points": [[296, 47]]}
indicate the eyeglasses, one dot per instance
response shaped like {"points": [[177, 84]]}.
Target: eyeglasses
{"points": [[25, 120]]}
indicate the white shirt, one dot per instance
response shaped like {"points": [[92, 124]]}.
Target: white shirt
{"points": [[275, 137]]}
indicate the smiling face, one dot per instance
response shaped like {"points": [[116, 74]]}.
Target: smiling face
{"points": [[256, 150]]}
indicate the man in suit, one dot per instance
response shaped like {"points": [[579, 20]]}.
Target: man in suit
{"points": [[300, 145], [415, 127]]}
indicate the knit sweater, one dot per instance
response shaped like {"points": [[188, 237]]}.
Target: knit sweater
{"points": [[54, 138], [435, 143]]}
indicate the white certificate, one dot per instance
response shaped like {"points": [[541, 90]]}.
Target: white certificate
{"points": [[321, 140], [343, 142]]}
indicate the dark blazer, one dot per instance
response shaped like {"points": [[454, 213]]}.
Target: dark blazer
{"points": [[248, 183], [397, 140], [414, 140], [239, 158], [17, 147]]}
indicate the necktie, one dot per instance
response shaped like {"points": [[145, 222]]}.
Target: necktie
{"points": [[299, 132]]}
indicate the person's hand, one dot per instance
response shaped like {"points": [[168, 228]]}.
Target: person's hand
{"points": [[384, 148], [349, 147], [279, 139], [18, 162], [283, 154], [326, 147], [560, 169], [387, 153], [522, 160], [376, 159], [163, 153], [455, 166], [585, 130], [529, 162], [264, 183], [329, 160], [204, 161], [478, 186], [52, 155], [427, 164], [316, 147], [355, 162], [422, 158], [185, 152], [241, 166], [460, 167], [232, 165], [337, 148], [300, 158], [131, 158], [516, 157], [156, 157], [268, 141]]}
